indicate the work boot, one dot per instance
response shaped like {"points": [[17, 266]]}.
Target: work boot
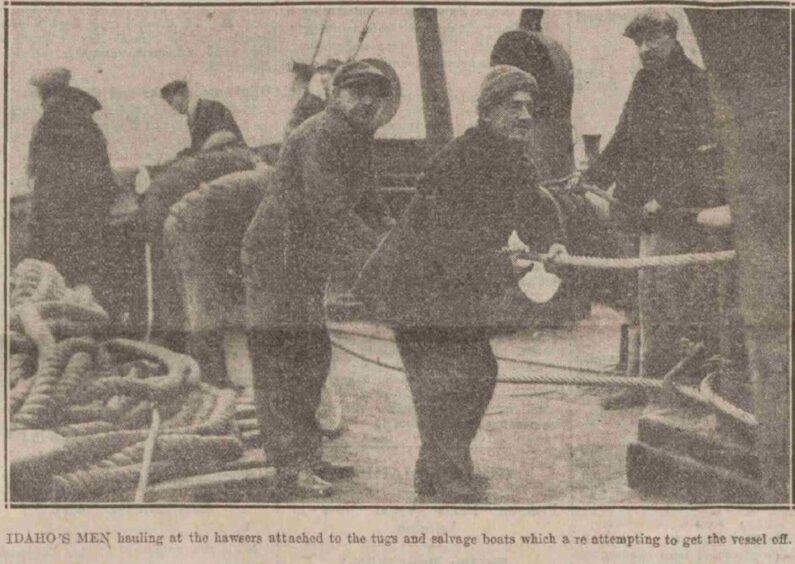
{"points": [[463, 490], [291, 482], [631, 397], [331, 472]]}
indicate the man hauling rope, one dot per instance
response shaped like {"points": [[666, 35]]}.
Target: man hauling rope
{"points": [[306, 229], [665, 161], [442, 267]]}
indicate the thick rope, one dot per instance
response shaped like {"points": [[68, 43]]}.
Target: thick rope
{"points": [[100, 396], [561, 379], [704, 396], [584, 369], [634, 263]]}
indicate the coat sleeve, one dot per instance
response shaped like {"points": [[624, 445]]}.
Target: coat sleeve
{"points": [[689, 153], [373, 209], [331, 196], [605, 170], [539, 218], [227, 122], [455, 238], [92, 171]]}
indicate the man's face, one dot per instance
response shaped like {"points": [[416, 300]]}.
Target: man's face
{"points": [[654, 48], [179, 102], [360, 103], [513, 118]]}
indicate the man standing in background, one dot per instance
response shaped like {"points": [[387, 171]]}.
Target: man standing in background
{"points": [[665, 161], [73, 192], [205, 117]]}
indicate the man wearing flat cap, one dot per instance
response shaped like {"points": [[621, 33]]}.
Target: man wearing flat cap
{"points": [[443, 268], [665, 161], [205, 117], [306, 229]]}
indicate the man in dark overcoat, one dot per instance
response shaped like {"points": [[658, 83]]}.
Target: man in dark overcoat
{"points": [[205, 117], [665, 161], [305, 230], [444, 267], [73, 192]]}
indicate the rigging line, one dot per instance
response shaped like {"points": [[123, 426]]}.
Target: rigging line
{"points": [[362, 35], [320, 38]]}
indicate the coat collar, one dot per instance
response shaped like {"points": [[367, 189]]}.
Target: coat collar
{"points": [[338, 119], [494, 146]]}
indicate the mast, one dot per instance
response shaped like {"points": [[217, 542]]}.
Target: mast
{"points": [[435, 100]]}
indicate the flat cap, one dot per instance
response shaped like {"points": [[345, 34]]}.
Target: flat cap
{"points": [[500, 82], [51, 80], [653, 19], [356, 73], [172, 88]]}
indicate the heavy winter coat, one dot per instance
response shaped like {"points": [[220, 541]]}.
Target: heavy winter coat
{"points": [[210, 117], [308, 105], [308, 224], [442, 266], [665, 145], [73, 192]]}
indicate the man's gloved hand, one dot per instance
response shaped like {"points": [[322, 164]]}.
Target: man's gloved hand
{"points": [[650, 215], [572, 186], [555, 250]]}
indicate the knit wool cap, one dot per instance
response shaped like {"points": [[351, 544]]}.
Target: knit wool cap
{"points": [[501, 82]]}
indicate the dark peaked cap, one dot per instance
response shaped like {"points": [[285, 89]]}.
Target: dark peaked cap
{"points": [[360, 73]]}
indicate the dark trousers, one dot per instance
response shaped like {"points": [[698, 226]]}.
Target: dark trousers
{"points": [[452, 375], [207, 348], [290, 369]]}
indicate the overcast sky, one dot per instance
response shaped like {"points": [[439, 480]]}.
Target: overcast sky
{"points": [[241, 56]]}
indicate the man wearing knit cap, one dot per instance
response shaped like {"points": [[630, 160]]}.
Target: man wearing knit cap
{"points": [[443, 268], [307, 228], [665, 162]]}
